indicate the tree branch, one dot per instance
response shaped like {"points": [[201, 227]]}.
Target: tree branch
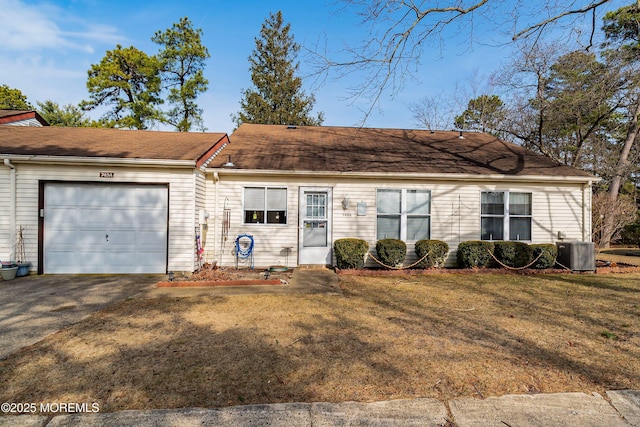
{"points": [[540, 25]]}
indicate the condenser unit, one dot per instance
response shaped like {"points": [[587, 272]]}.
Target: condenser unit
{"points": [[578, 256]]}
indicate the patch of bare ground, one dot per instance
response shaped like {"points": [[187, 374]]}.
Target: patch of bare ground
{"points": [[441, 336], [628, 256]]}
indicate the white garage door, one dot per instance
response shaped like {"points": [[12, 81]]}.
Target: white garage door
{"points": [[91, 228]]}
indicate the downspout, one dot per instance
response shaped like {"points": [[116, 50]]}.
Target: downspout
{"points": [[216, 179], [586, 212], [12, 208]]}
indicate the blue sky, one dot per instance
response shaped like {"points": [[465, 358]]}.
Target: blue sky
{"points": [[48, 46]]}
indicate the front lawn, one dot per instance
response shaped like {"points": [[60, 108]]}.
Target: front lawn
{"points": [[630, 256], [442, 336]]}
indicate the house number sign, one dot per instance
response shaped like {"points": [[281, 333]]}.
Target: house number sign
{"points": [[106, 174]]}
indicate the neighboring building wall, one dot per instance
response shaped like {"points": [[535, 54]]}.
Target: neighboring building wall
{"points": [[455, 213], [27, 122], [5, 220], [181, 202]]}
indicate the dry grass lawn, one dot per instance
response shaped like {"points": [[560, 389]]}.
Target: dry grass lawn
{"points": [[442, 336], [630, 256]]}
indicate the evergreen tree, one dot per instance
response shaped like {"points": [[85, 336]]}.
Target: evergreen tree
{"points": [[182, 62], [128, 80], [13, 99], [277, 96], [622, 44], [483, 114], [67, 115]]}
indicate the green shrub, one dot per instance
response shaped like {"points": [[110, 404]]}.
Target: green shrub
{"points": [[437, 251], [512, 254], [474, 253], [350, 252], [391, 252], [548, 258]]}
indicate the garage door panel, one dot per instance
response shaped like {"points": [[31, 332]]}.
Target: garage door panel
{"points": [[69, 239], [152, 239], [87, 262], [97, 197], [148, 260], [126, 238], [90, 217], [152, 218], [60, 197], [122, 258], [105, 228], [89, 239], [115, 198], [123, 217], [150, 199], [60, 216]]}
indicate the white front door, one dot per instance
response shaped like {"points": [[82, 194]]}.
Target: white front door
{"points": [[97, 228], [314, 239]]}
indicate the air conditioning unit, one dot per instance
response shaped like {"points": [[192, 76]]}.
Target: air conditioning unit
{"points": [[578, 256]]}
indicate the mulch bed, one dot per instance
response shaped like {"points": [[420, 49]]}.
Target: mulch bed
{"points": [[209, 276], [191, 284]]}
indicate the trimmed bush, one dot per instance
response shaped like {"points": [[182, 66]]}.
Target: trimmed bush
{"points": [[350, 252], [391, 252], [513, 254], [474, 253], [437, 251], [549, 254]]}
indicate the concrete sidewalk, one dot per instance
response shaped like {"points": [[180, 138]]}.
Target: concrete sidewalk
{"points": [[541, 410]]}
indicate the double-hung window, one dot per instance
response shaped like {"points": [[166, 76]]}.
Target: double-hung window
{"points": [[403, 214], [265, 205], [505, 215]]}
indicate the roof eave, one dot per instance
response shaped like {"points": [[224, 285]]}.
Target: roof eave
{"points": [[406, 175], [90, 161]]}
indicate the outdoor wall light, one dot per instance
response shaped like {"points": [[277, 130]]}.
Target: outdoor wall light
{"points": [[345, 202]]}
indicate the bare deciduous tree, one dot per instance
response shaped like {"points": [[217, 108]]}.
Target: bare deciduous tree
{"points": [[611, 217], [399, 32]]}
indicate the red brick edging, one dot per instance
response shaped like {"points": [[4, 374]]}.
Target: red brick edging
{"points": [[186, 284]]}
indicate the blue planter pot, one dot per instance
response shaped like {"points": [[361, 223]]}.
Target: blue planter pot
{"points": [[23, 269]]}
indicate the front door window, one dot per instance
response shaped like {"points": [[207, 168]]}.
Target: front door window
{"points": [[315, 224]]}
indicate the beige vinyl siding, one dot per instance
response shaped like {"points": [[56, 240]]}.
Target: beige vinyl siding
{"points": [[181, 201], [25, 122], [5, 219], [200, 205], [270, 239], [455, 213]]}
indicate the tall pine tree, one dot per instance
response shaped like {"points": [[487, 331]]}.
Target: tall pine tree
{"points": [[128, 81], [183, 58], [277, 96]]}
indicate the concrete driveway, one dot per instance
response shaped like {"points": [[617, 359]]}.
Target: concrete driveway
{"points": [[33, 307]]}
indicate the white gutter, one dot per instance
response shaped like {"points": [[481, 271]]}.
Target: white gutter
{"points": [[102, 161], [12, 209], [586, 212], [408, 176], [216, 180]]}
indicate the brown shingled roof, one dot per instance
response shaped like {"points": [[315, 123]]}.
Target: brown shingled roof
{"points": [[112, 143], [344, 149]]}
